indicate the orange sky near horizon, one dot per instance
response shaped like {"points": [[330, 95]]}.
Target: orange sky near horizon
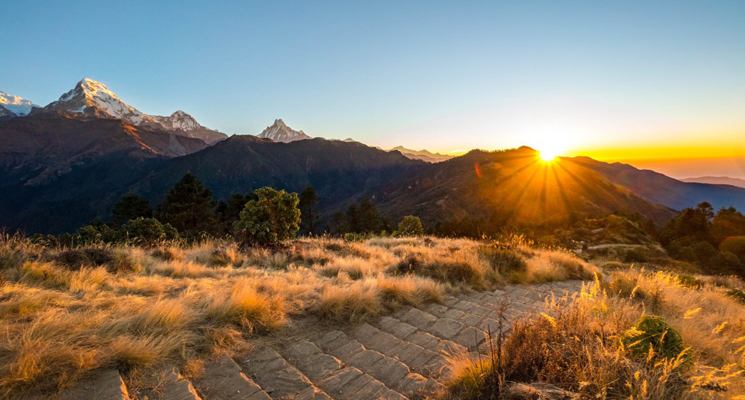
{"points": [[676, 162]]}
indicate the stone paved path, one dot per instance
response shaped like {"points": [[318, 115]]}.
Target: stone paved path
{"points": [[402, 356]]}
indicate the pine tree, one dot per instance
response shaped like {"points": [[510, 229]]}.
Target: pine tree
{"points": [[189, 208], [308, 200], [131, 206]]}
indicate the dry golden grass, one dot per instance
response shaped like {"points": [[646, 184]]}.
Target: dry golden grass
{"points": [[66, 312], [577, 346]]}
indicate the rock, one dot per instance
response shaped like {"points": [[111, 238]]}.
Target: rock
{"points": [[537, 391]]}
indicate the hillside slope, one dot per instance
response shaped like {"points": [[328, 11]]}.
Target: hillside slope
{"points": [[662, 189], [511, 188], [338, 171]]}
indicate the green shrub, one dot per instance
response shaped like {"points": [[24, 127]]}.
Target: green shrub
{"points": [[652, 332], [10, 258], [74, 259], [410, 226], [99, 233], [636, 254], [355, 237], [689, 281], [270, 219], [737, 294], [625, 285], [731, 259], [735, 244], [504, 261], [445, 271], [148, 231], [114, 261], [613, 265]]}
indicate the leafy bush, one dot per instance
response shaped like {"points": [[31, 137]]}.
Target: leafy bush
{"points": [[410, 226], [443, 271], [735, 244], [270, 219], [637, 254], [148, 231], [652, 332], [356, 237], [689, 281], [98, 233], [113, 260], [737, 294], [504, 261]]}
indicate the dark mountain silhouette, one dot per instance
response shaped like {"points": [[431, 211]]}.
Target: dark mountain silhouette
{"points": [[662, 189], [40, 148], [338, 171], [60, 170]]}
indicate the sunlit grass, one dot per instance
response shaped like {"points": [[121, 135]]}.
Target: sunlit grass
{"points": [[67, 312]]}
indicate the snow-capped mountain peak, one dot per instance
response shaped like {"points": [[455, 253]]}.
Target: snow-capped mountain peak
{"points": [[15, 105], [179, 120], [280, 132], [94, 98]]}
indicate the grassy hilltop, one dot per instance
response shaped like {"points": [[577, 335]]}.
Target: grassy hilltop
{"points": [[68, 311]]}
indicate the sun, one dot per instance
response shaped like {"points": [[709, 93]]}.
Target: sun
{"points": [[548, 154]]}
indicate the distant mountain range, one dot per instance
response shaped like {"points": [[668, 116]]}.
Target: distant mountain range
{"points": [[423, 155], [663, 189], [717, 180], [67, 163]]}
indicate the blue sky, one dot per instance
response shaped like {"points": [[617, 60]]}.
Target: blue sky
{"points": [[441, 75]]}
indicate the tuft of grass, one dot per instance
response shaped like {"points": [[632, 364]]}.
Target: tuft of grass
{"points": [[243, 305], [163, 316], [505, 261], [130, 351], [167, 253], [277, 261], [414, 291], [354, 268], [443, 271], [357, 302]]}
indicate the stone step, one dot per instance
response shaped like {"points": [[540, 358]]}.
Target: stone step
{"points": [[416, 357], [344, 382], [278, 378], [443, 328], [102, 385], [223, 379], [464, 311], [368, 353], [444, 351], [169, 385]]}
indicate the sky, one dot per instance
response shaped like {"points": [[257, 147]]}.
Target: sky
{"points": [[658, 84]]}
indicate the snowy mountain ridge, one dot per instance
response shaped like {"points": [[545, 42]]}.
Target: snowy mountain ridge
{"points": [[11, 105], [94, 98]]}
